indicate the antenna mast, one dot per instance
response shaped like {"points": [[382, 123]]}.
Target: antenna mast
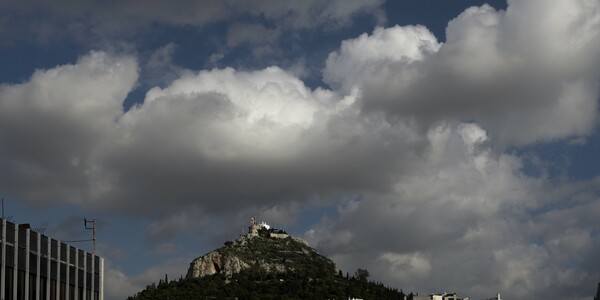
{"points": [[93, 228]]}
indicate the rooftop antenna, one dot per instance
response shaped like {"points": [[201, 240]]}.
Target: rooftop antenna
{"points": [[10, 218], [85, 225], [39, 229], [93, 228]]}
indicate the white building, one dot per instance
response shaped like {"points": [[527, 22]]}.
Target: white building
{"points": [[442, 296], [264, 225]]}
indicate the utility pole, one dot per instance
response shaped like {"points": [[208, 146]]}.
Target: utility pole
{"points": [[93, 228]]}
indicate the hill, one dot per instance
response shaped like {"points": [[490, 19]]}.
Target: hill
{"points": [[267, 264], [270, 255]]}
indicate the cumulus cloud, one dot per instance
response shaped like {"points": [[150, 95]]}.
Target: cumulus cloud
{"points": [[210, 140], [461, 186], [466, 219], [370, 55], [405, 266], [53, 126], [408, 141], [524, 80], [120, 286], [224, 137]]}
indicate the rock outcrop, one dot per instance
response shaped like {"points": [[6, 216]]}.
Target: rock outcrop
{"points": [[269, 254], [266, 263], [213, 263]]}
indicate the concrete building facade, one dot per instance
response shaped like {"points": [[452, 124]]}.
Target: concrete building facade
{"points": [[36, 267]]}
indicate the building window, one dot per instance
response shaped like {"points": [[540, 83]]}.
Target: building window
{"points": [[43, 287], [8, 292], [52, 289], [32, 263], [63, 291], [32, 286], [21, 284], [53, 249], [33, 241]]}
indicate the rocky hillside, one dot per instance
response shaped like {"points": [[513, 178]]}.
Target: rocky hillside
{"points": [[262, 253], [267, 264]]}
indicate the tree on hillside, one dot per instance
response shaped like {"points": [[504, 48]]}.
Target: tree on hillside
{"points": [[361, 275]]}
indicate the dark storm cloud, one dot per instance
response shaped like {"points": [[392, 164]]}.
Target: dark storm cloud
{"points": [[216, 139], [85, 19], [72, 228], [473, 214], [261, 137]]}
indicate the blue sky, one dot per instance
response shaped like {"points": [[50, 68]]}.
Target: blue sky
{"points": [[417, 139]]}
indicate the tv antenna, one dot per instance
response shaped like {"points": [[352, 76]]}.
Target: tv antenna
{"points": [[93, 228], [39, 229]]}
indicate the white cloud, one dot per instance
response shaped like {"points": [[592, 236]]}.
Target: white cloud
{"points": [[448, 197], [405, 266], [249, 139], [471, 48], [523, 79], [386, 50], [53, 126], [562, 38], [468, 220], [472, 136], [519, 266], [409, 142], [118, 285], [270, 95], [210, 139]]}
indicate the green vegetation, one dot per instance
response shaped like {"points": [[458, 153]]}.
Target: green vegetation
{"points": [[279, 269], [256, 284]]}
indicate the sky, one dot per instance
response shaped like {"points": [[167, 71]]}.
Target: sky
{"points": [[442, 145]]}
